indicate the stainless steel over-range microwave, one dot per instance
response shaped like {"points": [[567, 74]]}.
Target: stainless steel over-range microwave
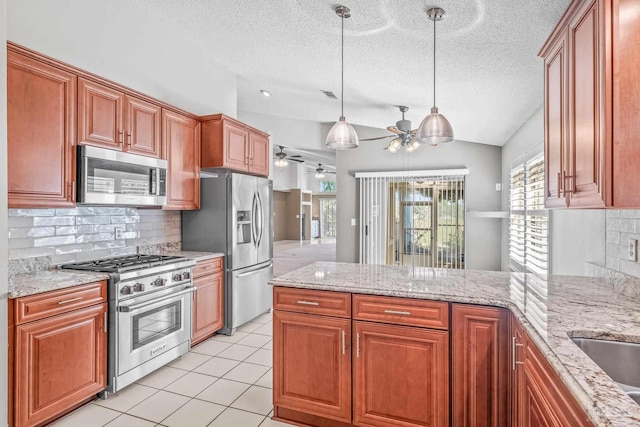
{"points": [[109, 177]]}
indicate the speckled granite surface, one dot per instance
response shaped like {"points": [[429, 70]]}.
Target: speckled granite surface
{"points": [[551, 309], [22, 285]]}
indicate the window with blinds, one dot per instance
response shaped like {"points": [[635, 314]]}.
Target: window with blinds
{"points": [[528, 247]]}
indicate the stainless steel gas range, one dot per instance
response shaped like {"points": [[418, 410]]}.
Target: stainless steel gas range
{"points": [[150, 300]]}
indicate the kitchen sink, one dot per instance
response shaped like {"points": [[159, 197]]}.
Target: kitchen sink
{"points": [[619, 360]]}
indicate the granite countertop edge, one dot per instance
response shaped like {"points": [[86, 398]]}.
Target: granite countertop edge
{"points": [[602, 400]]}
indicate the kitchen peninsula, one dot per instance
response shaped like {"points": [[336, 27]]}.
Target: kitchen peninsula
{"points": [[354, 343]]}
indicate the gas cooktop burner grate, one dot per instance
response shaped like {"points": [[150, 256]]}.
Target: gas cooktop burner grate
{"points": [[123, 263]]}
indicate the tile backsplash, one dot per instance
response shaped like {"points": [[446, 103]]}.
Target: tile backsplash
{"points": [[622, 225], [58, 236]]}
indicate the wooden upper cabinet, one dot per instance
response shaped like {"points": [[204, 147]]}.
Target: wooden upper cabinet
{"points": [[231, 144], [100, 115], [401, 376], [41, 102], [480, 365], [143, 123], [181, 141], [312, 364]]}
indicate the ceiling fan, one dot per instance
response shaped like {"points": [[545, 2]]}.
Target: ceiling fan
{"points": [[402, 134], [320, 171], [281, 158]]}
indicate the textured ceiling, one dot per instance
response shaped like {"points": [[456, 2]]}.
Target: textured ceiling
{"points": [[489, 75]]}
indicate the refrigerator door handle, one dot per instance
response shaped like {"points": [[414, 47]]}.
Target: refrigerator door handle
{"points": [[254, 233], [248, 273], [261, 215]]}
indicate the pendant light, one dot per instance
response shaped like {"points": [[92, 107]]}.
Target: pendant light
{"points": [[435, 128], [342, 135]]}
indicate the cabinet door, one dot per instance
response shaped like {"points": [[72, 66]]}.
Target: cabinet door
{"points": [[535, 409], [480, 364], [40, 134], [99, 115], [555, 124], [207, 306], [143, 123], [60, 362], [312, 364], [517, 373], [587, 127], [181, 137], [401, 376], [259, 159], [235, 142]]}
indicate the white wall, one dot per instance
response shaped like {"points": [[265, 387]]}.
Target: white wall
{"points": [[3, 216], [575, 236], [121, 41], [482, 235]]}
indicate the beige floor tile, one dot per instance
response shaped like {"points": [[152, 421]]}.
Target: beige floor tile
{"points": [[231, 339], [255, 399], [264, 318], [255, 340], [268, 422], [159, 406], [237, 352], [216, 366], [249, 327], [223, 392], [210, 347], [125, 420], [127, 398], [266, 380], [266, 329], [189, 361], [195, 413], [162, 377], [88, 416], [261, 357], [191, 384], [246, 373], [235, 418], [268, 346]]}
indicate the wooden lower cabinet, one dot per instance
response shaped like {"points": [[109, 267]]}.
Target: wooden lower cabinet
{"points": [[312, 365], [208, 300], [480, 366], [59, 363], [401, 376]]}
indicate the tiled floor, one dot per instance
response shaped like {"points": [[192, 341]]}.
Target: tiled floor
{"points": [[225, 381]]}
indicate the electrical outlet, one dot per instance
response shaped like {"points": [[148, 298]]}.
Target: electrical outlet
{"points": [[118, 231], [632, 250]]}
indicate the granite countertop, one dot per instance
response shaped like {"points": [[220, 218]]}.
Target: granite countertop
{"points": [[38, 282], [551, 309]]}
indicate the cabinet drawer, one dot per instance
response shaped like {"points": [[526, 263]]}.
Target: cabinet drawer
{"points": [[208, 266], [313, 302], [35, 307], [401, 311]]}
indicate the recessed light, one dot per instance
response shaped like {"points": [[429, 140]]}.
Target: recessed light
{"points": [[265, 93]]}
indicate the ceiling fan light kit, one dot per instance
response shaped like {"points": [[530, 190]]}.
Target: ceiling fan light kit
{"points": [[342, 135], [280, 162], [435, 128]]}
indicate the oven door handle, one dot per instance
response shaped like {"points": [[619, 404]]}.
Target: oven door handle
{"points": [[134, 307]]}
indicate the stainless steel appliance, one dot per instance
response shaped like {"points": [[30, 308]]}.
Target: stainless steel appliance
{"points": [[150, 300], [236, 218], [109, 177]]}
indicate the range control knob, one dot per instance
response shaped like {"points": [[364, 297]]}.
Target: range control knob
{"points": [[177, 277], [186, 275], [126, 290], [138, 287], [159, 282]]}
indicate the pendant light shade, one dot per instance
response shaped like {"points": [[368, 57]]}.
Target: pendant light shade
{"points": [[435, 128], [342, 135]]}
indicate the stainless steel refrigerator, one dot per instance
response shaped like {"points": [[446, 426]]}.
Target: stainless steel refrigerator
{"points": [[236, 218]]}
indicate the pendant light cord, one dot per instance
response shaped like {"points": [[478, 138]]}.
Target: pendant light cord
{"points": [[342, 68], [434, 60]]}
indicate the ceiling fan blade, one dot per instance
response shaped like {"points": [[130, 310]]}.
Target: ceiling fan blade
{"points": [[380, 137], [394, 130], [297, 155], [296, 160]]}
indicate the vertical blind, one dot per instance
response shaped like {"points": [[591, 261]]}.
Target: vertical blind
{"points": [[528, 246], [412, 218]]}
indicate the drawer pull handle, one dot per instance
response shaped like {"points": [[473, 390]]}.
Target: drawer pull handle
{"points": [[303, 302], [404, 313], [67, 301]]}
